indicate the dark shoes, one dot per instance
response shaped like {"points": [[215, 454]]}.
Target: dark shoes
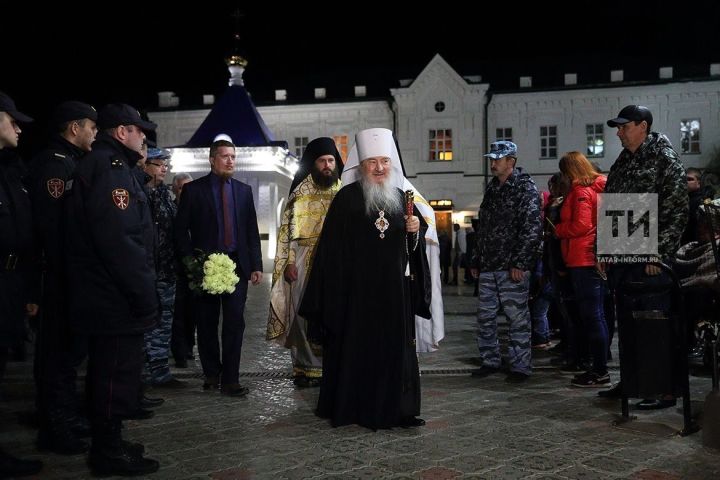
{"points": [[516, 377], [591, 380], [56, 433], [614, 392], [409, 422], [307, 382], [123, 458], [234, 390], [655, 404], [11, 467], [484, 371], [211, 383], [172, 384], [148, 402]]}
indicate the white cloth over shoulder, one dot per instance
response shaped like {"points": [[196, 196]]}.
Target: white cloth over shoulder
{"points": [[428, 333]]}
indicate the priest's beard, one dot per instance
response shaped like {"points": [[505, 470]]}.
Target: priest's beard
{"points": [[380, 196], [322, 180]]}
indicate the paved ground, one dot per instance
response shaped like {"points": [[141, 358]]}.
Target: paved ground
{"points": [[485, 428]]}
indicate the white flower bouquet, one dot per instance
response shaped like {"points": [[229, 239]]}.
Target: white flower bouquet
{"points": [[213, 274]]}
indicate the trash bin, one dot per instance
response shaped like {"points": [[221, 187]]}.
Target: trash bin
{"points": [[650, 354], [653, 342]]}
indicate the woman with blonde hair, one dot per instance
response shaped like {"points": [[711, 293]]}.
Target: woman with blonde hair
{"points": [[577, 232]]}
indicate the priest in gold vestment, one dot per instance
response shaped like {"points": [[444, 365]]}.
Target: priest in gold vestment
{"points": [[314, 186]]}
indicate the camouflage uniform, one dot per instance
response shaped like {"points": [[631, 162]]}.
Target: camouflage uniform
{"points": [[509, 236], [655, 168], [157, 341]]}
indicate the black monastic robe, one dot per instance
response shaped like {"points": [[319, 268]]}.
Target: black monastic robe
{"points": [[359, 297]]}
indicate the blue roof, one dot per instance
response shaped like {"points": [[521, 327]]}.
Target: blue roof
{"points": [[234, 115]]}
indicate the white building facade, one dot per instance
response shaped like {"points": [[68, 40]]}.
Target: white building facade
{"points": [[444, 123]]}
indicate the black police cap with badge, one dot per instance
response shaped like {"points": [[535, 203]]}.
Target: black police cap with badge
{"points": [[73, 110], [116, 114]]}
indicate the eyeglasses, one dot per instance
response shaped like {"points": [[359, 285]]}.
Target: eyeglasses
{"points": [[692, 179], [159, 165]]}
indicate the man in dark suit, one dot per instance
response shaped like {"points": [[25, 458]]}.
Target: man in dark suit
{"points": [[217, 214]]}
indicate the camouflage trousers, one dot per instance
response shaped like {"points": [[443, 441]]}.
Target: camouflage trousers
{"points": [[157, 341], [497, 292]]}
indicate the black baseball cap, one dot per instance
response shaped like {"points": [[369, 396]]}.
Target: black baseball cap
{"points": [[115, 114], [8, 106], [72, 110], [632, 113]]}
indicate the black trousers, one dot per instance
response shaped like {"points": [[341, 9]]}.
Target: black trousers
{"points": [[14, 286], [113, 378], [59, 351], [183, 327], [207, 314]]}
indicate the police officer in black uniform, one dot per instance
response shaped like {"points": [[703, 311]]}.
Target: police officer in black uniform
{"points": [[111, 278], [15, 257], [58, 350]]}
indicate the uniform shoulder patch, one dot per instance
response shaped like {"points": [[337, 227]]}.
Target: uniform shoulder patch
{"points": [[56, 187], [116, 162], [121, 198]]}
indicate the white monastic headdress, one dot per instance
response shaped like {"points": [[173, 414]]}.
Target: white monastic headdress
{"points": [[373, 142]]}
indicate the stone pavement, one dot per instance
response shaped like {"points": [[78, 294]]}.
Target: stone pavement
{"points": [[476, 428]]}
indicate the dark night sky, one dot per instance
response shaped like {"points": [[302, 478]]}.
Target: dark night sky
{"points": [[53, 55]]}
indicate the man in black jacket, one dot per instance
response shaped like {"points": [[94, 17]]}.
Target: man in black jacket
{"points": [[58, 351], [111, 278], [15, 238]]}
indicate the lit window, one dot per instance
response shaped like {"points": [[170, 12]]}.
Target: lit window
{"points": [[595, 140], [690, 135], [341, 142], [440, 145]]}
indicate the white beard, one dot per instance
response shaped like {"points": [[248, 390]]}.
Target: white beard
{"points": [[380, 196]]}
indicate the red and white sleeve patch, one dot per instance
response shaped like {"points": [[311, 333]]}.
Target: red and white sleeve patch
{"points": [[121, 198], [56, 187]]}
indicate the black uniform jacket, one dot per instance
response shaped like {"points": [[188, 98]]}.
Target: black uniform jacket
{"points": [[109, 243], [50, 171]]}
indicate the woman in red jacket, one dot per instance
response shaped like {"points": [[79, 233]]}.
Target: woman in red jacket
{"points": [[577, 232]]}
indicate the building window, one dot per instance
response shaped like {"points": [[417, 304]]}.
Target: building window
{"points": [[690, 135], [503, 134], [441, 145], [548, 142], [595, 139], [300, 144], [439, 106], [341, 142]]}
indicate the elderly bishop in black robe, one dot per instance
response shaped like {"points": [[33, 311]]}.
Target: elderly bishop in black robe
{"points": [[369, 279]]}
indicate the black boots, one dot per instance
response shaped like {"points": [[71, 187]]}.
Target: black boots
{"points": [[11, 467], [56, 434], [110, 455]]}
